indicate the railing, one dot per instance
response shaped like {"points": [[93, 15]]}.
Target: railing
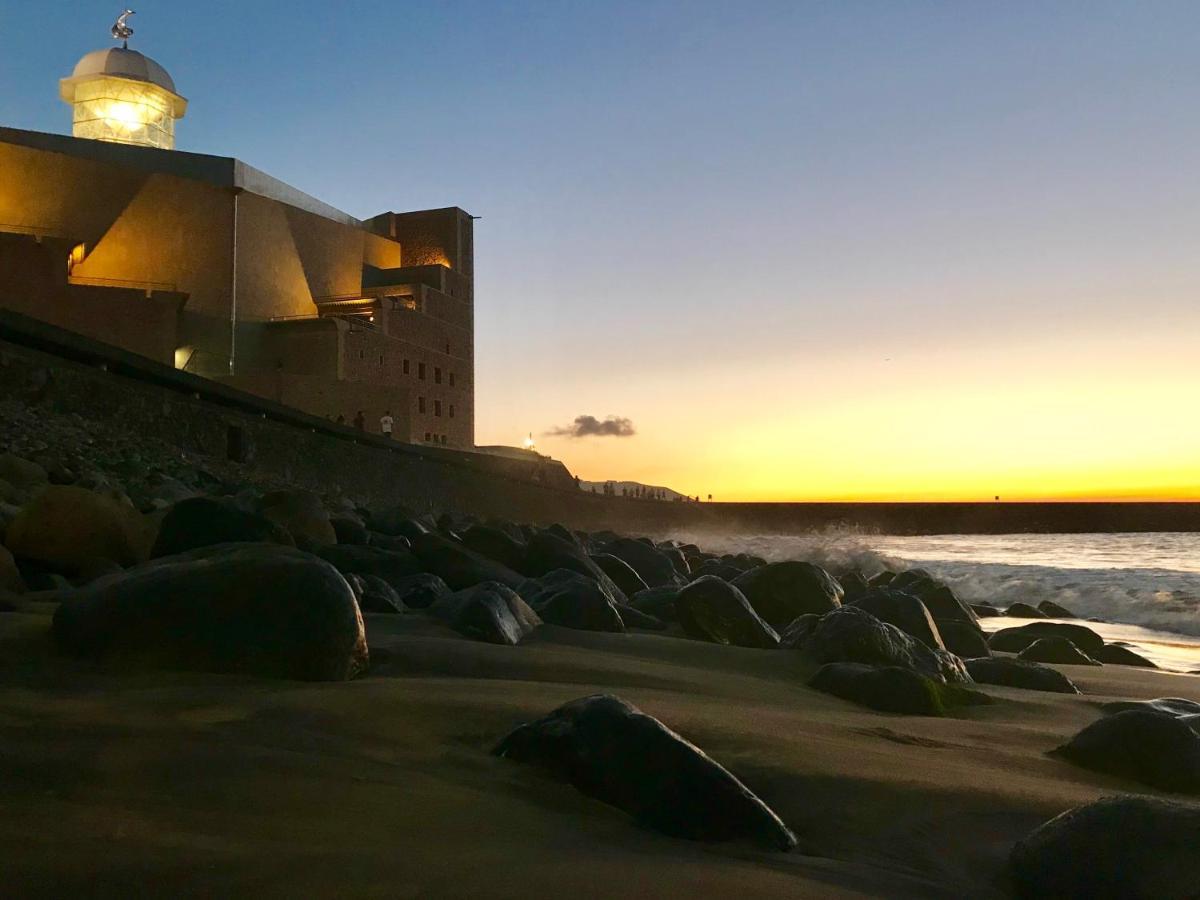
{"points": [[35, 230], [147, 286]]}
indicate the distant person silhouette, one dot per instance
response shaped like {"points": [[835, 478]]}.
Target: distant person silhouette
{"points": [[341, 420], [360, 421], [385, 423]]}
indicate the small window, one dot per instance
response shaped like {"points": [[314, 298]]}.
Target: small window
{"points": [[443, 439], [427, 437], [420, 404], [437, 407], [451, 379], [406, 367], [437, 374], [421, 371], [447, 348], [452, 410], [381, 359], [360, 354]]}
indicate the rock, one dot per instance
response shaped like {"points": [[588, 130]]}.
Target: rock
{"points": [[943, 604], [10, 575], [255, 608], [850, 634], [1144, 745], [1019, 673], [459, 566], [70, 528], [388, 541], [904, 611], [1056, 650], [891, 689], [393, 566], [1117, 848], [615, 753], [22, 474], [375, 595], [396, 520], [1120, 655], [1024, 611], [489, 612], [547, 552], [420, 591], [715, 567], [566, 598], [678, 561], [854, 584], [881, 579], [1054, 611], [495, 544], [622, 574], [715, 610], [205, 522], [964, 640], [1014, 640], [984, 611], [779, 592], [655, 569], [1172, 706], [798, 631], [350, 531], [301, 513], [658, 602], [634, 618]]}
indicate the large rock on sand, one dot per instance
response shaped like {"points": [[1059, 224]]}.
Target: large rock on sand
{"points": [[374, 594], [393, 566], [850, 634], [71, 528], [302, 513], [1056, 650], [548, 551], [1144, 745], [255, 608], [891, 689], [459, 566], [903, 610], [714, 610], [420, 591], [1120, 655], [1118, 848], [654, 566], [488, 612], [779, 592], [495, 544], [205, 522], [1019, 673], [566, 598], [1014, 640], [622, 574], [617, 754]]}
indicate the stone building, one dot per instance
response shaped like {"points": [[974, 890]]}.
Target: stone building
{"points": [[207, 264]]}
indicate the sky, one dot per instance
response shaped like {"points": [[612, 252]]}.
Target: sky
{"points": [[810, 250]]}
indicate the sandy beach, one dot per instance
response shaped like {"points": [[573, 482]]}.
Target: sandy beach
{"points": [[182, 784]]}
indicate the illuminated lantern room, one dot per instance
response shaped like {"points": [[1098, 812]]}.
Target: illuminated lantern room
{"points": [[123, 96]]}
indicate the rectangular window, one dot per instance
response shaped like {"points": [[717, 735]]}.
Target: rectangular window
{"points": [[452, 410], [451, 379], [421, 371], [406, 367], [427, 437], [360, 354], [420, 404], [437, 407], [443, 439], [381, 359], [437, 374]]}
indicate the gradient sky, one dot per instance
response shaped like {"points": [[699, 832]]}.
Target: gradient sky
{"points": [[865, 250]]}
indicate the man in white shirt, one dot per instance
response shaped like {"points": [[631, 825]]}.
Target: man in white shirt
{"points": [[385, 424]]}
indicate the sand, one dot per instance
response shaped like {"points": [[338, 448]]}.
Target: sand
{"points": [[181, 784]]}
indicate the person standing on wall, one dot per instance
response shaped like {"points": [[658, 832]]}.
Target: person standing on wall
{"points": [[385, 424]]}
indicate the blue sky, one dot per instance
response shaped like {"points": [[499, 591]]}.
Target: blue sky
{"points": [[746, 220]]}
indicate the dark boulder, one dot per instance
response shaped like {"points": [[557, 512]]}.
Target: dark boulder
{"points": [[1120, 655], [651, 564], [678, 560], [421, 590], [495, 544], [963, 639], [779, 592], [615, 753], [547, 552], [205, 522], [881, 579], [634, 618], [1019, 673], [566, 598], [1014, 640], [350, 531], [302, 513], [256, 608], [396, 521], [715, 610], [798, 630], [388, 542], [983, 611], [1054, 611], [850, 634], [489, 612], [1056, 650], [1173, 706], [375, 595], [715, 567], [904, 611], [622, 574], [854, 584], [658, 602], [351, 559], [891, 689], [1024, 611], [1144, 745], [943, 604], [1117, 848], [459, 566]]}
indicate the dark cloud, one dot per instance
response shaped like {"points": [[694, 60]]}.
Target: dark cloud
{"points": [[590, 426]]}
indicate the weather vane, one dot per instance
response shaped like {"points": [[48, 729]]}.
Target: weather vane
{"points": [[121, 30]]}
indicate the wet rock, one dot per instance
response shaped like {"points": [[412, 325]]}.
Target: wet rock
{"points": [[301, 513], [375, 595], [420, 591], [396, 520], [622, 574], [615, 753], [70, 527], [715, 610], [393, 566], [1014, 640], [1172, 706], [655, 569], [547, 552], [779, 592], [257, 609], [964, 640], [1120, 655], [983, 611], [10, 575], [1056, 650], [24, 475], [658, 602], [1019, 673], [634, 618], [715, 567], [1054, 611], [388, 541], [566, 598], [495, 544], [943, 604], [205, 522], [682, 568], [891, 689], [1143, 745], [903, 610], [854, 585], [1024, 611], [489, 612], [459, 566], [350, 531], [850, 634], [1117, 848]]}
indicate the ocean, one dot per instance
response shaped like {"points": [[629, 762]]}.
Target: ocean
{"points": [[1145, 587]]}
